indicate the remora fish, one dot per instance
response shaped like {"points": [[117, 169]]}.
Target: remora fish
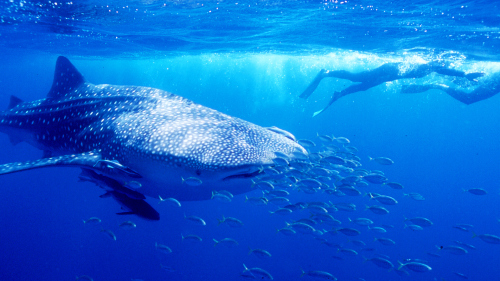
{"points": [[133, 206], [107, 182], [126, 132]]}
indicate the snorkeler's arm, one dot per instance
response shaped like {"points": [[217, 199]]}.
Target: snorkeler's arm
{"points": [[449, 72], [474, 75], [458, 73]]}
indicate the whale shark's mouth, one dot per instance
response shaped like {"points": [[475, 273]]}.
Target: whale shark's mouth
{"points": [[242, 175]]}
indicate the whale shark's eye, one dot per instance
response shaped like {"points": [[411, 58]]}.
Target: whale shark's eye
{"points": [[198, 172]]}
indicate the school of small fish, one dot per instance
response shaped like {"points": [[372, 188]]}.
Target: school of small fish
{"points": [[334, 169]]}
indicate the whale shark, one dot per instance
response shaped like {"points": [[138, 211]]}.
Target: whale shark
{"points": [[117, 134]]}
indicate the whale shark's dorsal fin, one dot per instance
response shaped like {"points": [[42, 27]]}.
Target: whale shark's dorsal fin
{"points": [[66, 78], [14, 101]]}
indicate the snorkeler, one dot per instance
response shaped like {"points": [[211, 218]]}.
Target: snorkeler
{"points": [[384, 73], [487, 89]]}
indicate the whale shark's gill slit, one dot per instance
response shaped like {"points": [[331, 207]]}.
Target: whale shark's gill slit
{"points": [[282, 132], [241, 176]]}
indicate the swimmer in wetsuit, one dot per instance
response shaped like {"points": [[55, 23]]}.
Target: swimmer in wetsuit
{"points": [[488, 88], [384, 73]]}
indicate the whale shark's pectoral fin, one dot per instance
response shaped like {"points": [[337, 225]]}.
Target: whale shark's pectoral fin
{"points": [[76, 160], [89, 160]]}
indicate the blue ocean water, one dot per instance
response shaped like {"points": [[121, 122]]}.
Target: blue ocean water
{"points": [[252, 60]]}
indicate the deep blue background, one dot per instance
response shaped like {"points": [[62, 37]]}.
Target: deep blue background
{"points": [[439, 145]]}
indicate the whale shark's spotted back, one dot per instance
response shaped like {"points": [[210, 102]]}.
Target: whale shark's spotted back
{"points": [[160, 135]]}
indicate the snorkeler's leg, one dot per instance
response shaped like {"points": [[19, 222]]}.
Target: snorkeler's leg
{"points": [[347, 91], [335, 97], [314, 84], [344, 74]]}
